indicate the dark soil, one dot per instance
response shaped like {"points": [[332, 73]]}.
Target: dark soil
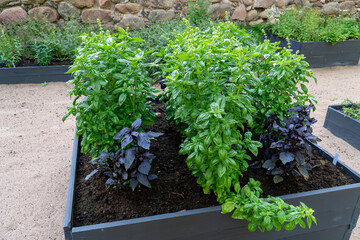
{"points": [[32, 62], [176, 189]]}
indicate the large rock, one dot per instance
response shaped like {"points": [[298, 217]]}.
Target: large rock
{"points": [[68, 11], [13, 15], [263, 3], [161, 15], [248, 2], [239, 13], [82, 3], [331, 8], [282, 3], [3, 3], [348, 6], [40, 13], [124, 8], [218, 10], [105, 3], [252, 15], [91, 15], [130, 21], [164, 4]]}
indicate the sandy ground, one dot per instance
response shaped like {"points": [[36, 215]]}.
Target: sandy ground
{"points": [[35, 150]]}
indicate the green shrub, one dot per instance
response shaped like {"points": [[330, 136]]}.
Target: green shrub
{"points": [[307, 24], [111, 75], [46, 42], [353, 111], [212, 80], [10, 49]]}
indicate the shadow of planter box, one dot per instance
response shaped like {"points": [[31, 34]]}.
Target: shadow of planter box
{"points": [[336, 209], [342, 125], [40, 74], [323, 54]]}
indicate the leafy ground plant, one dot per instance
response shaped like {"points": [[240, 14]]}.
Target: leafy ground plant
{"points": [[307, 24], [285, 144], [353, 111], [211, 79], [110, 74], [131, 164], [10, 49]]}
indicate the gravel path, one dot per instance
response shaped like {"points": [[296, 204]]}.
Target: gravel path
{"points": [[35, 150]]}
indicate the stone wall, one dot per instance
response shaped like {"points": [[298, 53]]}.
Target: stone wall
{"points": [[136, 13]]}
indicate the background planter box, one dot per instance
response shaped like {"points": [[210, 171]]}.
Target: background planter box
{"points": [[336, 209], [34, 74], [342, 125], [323, 54]]}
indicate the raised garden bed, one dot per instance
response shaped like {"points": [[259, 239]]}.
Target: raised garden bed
{"points": [[342, 125], [336, 210], [323, 54], [38, 74]]}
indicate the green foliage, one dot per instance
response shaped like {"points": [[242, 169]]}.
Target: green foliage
{"points": [[198, 11], [353, 111], [307, 24], [277, 82], [46, 42], [10, 49], [211, 89], [157, 36], [110, 74]]}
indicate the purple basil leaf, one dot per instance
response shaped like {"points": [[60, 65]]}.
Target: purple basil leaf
{"points": [[136, 124], [308, 150], [129, 157], [269, 164], [144, 167], [256, 164], [91, 174], [149, 155], [151, 134], [125, 175], [295, 173], [135, 133], [108, 174], [119, 153], [300, 130], [308, 166], [118, 164], [122, 160], [277, 171], [133, 183], [303, 171], [133, 173], [122, 133], [144, 141], [277, 144], [286, 157], [310, 107], [275, 126], [126, 141], [152, 177], [109, 182], [114, 174], [143, 179], [300, 158]]}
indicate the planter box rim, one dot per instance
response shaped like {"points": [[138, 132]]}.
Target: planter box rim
{"points": [[337, 107]]}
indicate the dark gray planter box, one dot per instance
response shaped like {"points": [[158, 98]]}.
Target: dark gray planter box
{"points": [[336, 209], [323, 54], [343, 126], [34, 74]]}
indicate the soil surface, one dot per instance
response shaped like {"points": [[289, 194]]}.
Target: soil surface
{"points": [[36, 148], [176, 189]]}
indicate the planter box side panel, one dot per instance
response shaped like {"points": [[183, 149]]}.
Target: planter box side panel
{"points": [[22, 75], [343, 126], [323, 54], [211, 224]]}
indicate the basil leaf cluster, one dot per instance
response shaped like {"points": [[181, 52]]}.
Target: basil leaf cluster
{"points": [[220, 88], [111, 76]]}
